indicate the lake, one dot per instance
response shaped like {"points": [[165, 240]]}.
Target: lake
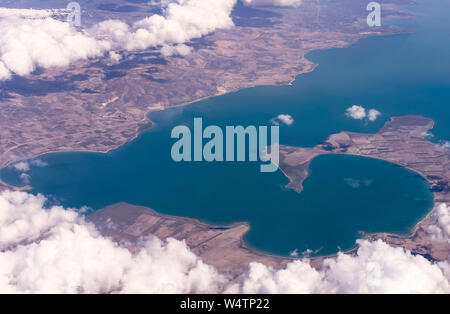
{"points": [[397, 75]]}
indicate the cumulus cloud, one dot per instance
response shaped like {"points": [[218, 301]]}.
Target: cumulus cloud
{"points": [[377, 268], [284, 119], [22, 166], [440, 231], [373, 114], [56, 250], [280, 3], [176, 50], [25, 177], [26, 44], [38, 163], [115, 57], [183, 20], [356, 112], [360, 113], [298, 277], [22, 218]]}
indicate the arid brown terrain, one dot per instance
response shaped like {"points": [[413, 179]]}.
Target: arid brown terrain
{"points": [[97, 106], [221, 246]]}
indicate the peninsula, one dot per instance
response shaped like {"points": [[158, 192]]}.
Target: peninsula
{"points": [[221, 246], [402, 141]]}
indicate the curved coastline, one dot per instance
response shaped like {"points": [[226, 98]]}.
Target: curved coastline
{"points": [[310, 66], [426, 122], [148, 120], [402, 142]]}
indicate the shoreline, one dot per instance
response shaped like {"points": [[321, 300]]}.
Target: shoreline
{"points": [[220, 245], [255, 254], [146, 120], [412, 230], [310, 67], [385, 146]]}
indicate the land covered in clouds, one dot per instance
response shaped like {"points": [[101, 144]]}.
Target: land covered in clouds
{"points": [[91, 88]]}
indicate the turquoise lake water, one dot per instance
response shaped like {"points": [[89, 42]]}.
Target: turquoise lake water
{"points": [[397, 75]]}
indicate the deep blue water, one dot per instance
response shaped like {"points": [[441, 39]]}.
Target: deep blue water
{"points": [[397, 75]]}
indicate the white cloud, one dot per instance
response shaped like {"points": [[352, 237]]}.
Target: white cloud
{"points": [[115, 57], [360, 113], [283, 118], [356, 112], [373, 114], [377, 268], [25, 177], [26, 44], [445, 266], [38, 163], [182, 22], [5, 74], [440, 231], [176, 50], [22, 218], [281, 3], [298, 277], [56, 250], [22, 166]]}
